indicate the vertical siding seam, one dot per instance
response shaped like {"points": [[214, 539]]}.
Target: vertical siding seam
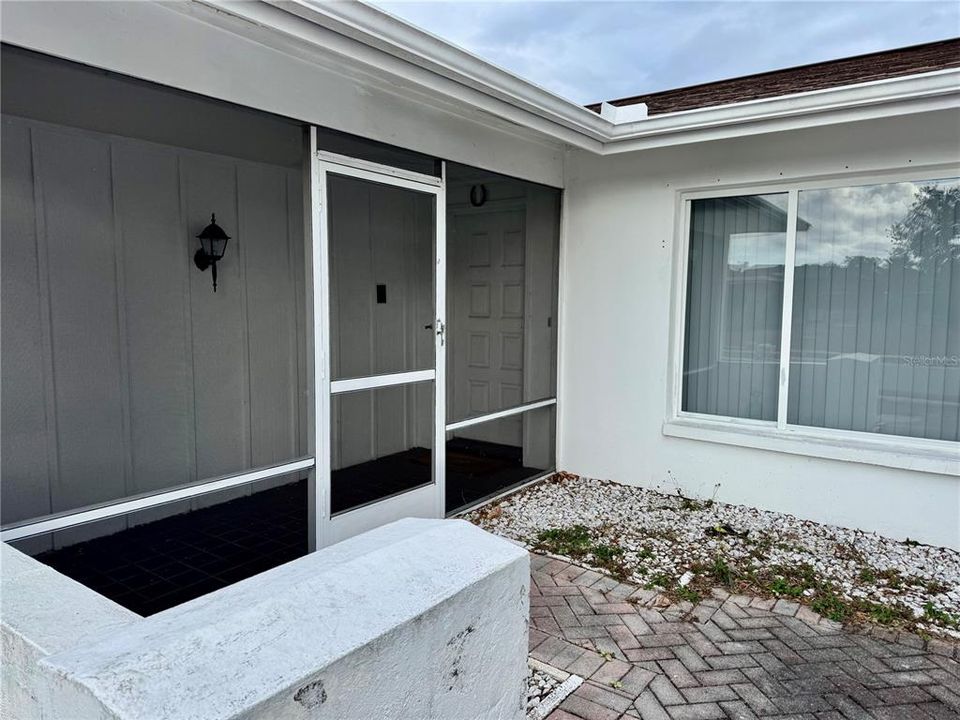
{"points": [[244, 314], [372, 333], [123, 350], [295, 343], [410, 271], [188, 316], [46, 319]]}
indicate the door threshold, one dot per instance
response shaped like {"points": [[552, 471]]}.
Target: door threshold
{"points": [[464, 509]]}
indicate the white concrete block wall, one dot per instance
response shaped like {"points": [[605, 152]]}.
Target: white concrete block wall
{"points": [[417, 619], [43, 613]]}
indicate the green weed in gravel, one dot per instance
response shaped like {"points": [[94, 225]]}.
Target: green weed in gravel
{"points": [[831, 606], [573, 541], [940, 617]]}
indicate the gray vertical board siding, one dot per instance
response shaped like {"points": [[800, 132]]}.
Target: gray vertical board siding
{"points": [[220, 349], [297, 250], [154, 259], [26, 431], [272, 336], [77, 208], [122, 371]]}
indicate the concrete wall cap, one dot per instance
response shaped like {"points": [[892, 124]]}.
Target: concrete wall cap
{"points": [[244, 644]]}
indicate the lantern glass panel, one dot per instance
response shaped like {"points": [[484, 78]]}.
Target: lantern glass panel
{"points": [[215, 247]]}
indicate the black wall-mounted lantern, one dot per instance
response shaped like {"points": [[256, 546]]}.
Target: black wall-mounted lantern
{"points": [[213, 243]]}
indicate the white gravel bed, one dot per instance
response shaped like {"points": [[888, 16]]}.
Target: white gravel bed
{"points": [[547, 687], [539, 686], [663, 536]]}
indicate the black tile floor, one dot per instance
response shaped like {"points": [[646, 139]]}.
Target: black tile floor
{"points": [[155, 566], [151, 567], [475, 470]]}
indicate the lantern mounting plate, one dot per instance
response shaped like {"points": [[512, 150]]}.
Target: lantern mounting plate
{"points": [[201, 259]]}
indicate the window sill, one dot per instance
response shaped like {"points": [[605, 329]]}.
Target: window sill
{"points": [[930, 456]]}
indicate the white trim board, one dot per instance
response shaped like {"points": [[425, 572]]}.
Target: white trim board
{"points": [[379, 381], [30, 528], [885, 451], [479, 420]]}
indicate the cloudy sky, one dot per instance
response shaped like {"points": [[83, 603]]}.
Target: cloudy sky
{"points": [[590, 51]]}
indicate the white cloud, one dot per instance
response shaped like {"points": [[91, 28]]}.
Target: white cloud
{"points": [[589, 51]]}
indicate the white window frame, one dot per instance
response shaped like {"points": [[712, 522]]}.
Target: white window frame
{"points": [[918, 454]]}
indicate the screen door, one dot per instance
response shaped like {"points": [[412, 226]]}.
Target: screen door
{"points": [[382, 334]]}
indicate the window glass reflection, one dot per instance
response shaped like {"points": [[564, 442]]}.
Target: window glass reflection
{"points": [[875, 342], [734, 306]]}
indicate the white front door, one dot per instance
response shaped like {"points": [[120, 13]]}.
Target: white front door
{"points": [[486, 267], [380, 329]]}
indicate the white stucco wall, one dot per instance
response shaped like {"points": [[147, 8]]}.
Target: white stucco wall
{"points": [[617, 286], [416, 619]]}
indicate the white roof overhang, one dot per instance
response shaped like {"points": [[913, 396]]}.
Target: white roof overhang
{"points": [[494, 89], [378, 50]]}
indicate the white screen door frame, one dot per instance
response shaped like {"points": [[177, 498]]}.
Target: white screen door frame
{"points": [[425, 501]]}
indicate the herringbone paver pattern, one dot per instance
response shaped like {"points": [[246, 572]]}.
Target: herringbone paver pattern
{"points": [[728, 657]]}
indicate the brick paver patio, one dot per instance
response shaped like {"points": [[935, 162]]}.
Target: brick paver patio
{"points": [[728, 657]]}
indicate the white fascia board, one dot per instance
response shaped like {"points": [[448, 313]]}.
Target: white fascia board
{"points": [[865, 101], [393, 36], [305, 31], [378, 50], [624, 131]]}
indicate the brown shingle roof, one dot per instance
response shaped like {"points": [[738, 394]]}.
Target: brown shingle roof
{"points": [[818, 76]]}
